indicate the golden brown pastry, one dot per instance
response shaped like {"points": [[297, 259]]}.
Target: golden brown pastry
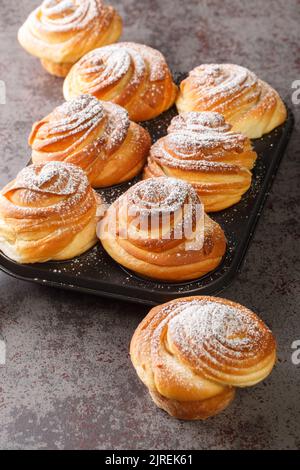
{"points": [[158, 229], [60, 32], [97, 136], [49, 212], [193, 352], [249, 104], [201, 149], [134, 76]]}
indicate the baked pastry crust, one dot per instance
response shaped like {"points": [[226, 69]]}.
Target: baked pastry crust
{"points": [[49, 212], [192, 353], [201, 149], [97, 136], [60, 32], [132, 75], [158, 229], [249, 104]]}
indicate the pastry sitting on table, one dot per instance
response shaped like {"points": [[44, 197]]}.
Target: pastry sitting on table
{"points": [[193, 353]]}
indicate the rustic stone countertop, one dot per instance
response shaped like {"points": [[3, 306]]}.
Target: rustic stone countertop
{"points": [[68, 381]]}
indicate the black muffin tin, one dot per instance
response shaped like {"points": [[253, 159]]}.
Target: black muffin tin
{"points": [[96, 273]]}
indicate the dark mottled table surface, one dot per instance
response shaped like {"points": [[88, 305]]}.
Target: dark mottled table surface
{"points": [[68, 381]]}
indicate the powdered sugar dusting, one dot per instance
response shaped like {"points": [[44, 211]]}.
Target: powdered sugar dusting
{"points": [[52, 178], [196, 140], [161, 195], [214, 330], [65, 15], [79, 118], [217, 85], [158, 210], [106, 66], [109, 64], [117, 125], [193, 132], [51, 188], [73, 117]]}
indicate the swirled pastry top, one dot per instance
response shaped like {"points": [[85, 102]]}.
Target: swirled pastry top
{"points": [[188, 349], [48, 212], [248, 103], [95, 135], [150, 202], [158, 229], [201, 149], [132, 75], [62, 31], [44, 189], [224, 342], [202, 142], [72, 125]]}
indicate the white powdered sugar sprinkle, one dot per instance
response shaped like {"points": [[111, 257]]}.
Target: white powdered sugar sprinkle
{"points": [[106, 66], [84, 112], [79, 118], [161, 195], [63, 16], [57, 187], [197, 140], [53, 178], [192, 132], [215, 329], [223, 83]]}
